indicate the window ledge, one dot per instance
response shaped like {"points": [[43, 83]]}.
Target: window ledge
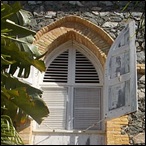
{"points": [[71, 131]]}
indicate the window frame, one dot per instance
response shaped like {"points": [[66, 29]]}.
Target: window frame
{"points": [[93, 59]]}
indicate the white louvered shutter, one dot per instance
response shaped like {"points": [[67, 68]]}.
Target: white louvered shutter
{"points": [[79, 106], [58, 69], [87, 101], [85, 71], [55, 99], [87, 107]]}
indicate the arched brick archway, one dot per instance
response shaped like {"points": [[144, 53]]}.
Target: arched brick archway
{"points": [[74, 28]]}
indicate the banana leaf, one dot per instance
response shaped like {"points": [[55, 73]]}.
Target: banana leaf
{"points": [[24, 97], [19, 100]]}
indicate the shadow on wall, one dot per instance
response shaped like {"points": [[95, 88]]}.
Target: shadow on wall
{"points": [[85, 140], [79, 140]]}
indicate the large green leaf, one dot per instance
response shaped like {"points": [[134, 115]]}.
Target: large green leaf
{"points": [[9, 106], [5, 61], [25, 97], [25, 44], [17, 29], [18, 53], [5, 31], [30, 104], [7, 11], [23, 58], [39, 64]]}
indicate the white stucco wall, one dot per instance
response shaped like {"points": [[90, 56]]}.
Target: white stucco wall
{"points": [[67, 139]]}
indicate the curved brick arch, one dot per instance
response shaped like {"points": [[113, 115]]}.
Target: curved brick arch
{"points": [[74, 28], [72, 35]]}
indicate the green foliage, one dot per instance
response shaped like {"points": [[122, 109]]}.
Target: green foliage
{"points": [[141, 22], [18, 94], [9, 135], [18, 100]]}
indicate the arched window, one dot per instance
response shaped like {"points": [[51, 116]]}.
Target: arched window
{"points": [[75, 77], [72, 89]]}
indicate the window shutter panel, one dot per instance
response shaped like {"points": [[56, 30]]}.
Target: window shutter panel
{"points": [[121, 75], [85, 72], [87, 108], [55, 99], [58, 69], [86, 100]]}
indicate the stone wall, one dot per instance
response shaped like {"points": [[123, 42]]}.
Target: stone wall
{"points": [[136, 127], [111, 16], [107, 14]]}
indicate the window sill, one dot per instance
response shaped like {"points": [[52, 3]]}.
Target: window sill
{"points": [[70, 131]]}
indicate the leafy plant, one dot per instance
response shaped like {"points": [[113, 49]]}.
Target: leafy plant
{"points": [[9, 135], [18, 99]]}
